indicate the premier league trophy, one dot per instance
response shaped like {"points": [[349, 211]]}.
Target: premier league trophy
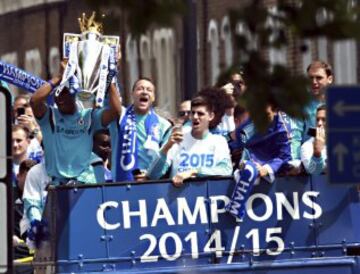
{"points": [[92, 61]]}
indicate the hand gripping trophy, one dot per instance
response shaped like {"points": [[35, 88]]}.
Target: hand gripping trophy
{"points": [[92, 62]]}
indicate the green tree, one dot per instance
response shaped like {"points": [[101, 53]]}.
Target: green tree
{"points": [[264, 29], [140, 14]]}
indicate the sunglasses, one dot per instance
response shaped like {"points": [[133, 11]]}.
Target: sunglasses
{"points": [[184, 113], [238, 82]]}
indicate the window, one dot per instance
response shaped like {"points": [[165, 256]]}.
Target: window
{"points": [[227, 39], [276, 55], [10, 58], [145, 55], [322, 49], [213, 39], [345, 62], [306, 56], [54, 61], [33, 62], [132, 60], [164, 54], [345, 57], [11, 5]]}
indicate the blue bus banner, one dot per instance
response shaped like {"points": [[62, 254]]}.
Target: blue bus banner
{"points": [[138, 227]]}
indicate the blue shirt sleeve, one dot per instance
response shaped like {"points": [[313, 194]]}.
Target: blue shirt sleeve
{"points": [[284, 152], [316, 165]]}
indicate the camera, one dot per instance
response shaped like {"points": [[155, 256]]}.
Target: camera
{"points": [[136, 171], [178, 127], [312, 132], [20, 111], [237, 88]]}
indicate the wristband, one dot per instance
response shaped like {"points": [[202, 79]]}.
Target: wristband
{"points": [[51, 84], [35, 132]]}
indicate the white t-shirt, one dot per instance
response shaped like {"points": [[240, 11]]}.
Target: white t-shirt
{"points": [[313, 165], [209, 156], [34, 195], [226, 125], [35, 151]]}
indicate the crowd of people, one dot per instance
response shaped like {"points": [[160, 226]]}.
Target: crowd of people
{"points": [[211, 135]]}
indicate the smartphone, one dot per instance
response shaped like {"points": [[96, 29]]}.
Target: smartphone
{"points": [[136, 171], [237, 87], [20, 111], [178, 127], [312, 132]]}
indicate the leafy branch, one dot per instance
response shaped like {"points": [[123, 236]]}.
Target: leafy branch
{"points": [[258, 28]]}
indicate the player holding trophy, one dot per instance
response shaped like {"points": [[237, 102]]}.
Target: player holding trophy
{"points": [[68, 129]]}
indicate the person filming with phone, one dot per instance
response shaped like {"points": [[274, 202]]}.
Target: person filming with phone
{"points": [[24, 115], [313, 151]]}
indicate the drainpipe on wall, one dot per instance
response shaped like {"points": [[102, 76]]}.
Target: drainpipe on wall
{"points": [[62, 11], [47, 41], [123, 73], [190, 50], [205, 63]]}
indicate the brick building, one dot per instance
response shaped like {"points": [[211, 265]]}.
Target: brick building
{"points": [[180, 59]]}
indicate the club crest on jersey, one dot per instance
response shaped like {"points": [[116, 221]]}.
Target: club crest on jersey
{"points": [[155, 132], [81, 122]]}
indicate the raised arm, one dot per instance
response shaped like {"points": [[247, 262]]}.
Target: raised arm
{"points": [[159, 166], [114, 111], [38, 99]]}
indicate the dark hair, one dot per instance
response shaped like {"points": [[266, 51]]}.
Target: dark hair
{"points": [[239, 110], [202, 101], [321, 107], [142, 78], [219, 101], [227, 75], [103, 131], [26, 164], [321, 64]]}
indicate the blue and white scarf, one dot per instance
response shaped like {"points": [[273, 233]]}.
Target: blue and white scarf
{"points": [[244, 179], [128, 146], [20, 78]]}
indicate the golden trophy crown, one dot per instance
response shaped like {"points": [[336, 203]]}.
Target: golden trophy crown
{"points": [[89, 24], [90, 56]]}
